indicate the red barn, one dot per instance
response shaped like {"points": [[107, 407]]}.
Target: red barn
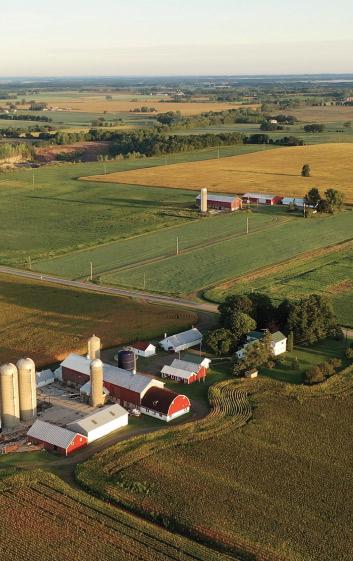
{"points": [[184, 372], [164, 404], [124, 387], [222, 202], [55, 438], [261, 198]]}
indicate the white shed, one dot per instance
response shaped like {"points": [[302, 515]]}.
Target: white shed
{"points": [[101, 423], [182, 341]]}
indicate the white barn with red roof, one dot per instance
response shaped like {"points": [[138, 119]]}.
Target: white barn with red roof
{"points": [[143, 348]]}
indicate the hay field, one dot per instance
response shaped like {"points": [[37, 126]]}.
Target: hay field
{"points": [[323, 114], [100, 104], [47, 322], [274, 171]]}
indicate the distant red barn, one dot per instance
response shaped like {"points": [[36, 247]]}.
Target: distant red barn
{"points": [[261, 198], [164, 404], [222, 202]]}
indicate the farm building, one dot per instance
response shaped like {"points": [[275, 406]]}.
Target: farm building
{"points": [[143, 348], [278, 342], [184, 372], [85, 391], [182, 341], [222, 202], [55, 438], [261, 198], [44, 378], [199, 360], [299, 202], [164, 404], [101, 423], [124, 387]]}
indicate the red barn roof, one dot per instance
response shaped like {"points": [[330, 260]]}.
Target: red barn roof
{"points": [[141, 345], [159, 399]]}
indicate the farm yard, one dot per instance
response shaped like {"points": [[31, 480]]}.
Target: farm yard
{"points": [[259, 465], [47, 322], [276, 171], [325, 272]]}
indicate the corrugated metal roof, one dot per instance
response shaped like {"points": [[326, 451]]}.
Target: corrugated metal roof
{"points": [[184, 337], [221, 198], [289, 200], [184, 365], [171, 371], [86, 389], [98, 418], [45, 376], [57, 436], [259, 196], [111, 374]]}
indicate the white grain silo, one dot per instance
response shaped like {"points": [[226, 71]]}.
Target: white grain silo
{"points": [[10, 408], [97, 395], [204, 200], [94, 347], [27, 389]]}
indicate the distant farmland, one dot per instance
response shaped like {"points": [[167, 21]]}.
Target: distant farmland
{"points": [[273, 171]]}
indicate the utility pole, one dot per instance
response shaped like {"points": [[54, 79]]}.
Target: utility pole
{"points": [[177, 245], [33, 178], [247, 225], [30, 263], [144, 281], [91, 275], [218, 153]]}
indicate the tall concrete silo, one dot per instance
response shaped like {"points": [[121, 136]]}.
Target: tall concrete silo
{"points": [[97, 396], [27, 389], [204, 200], [94, 347], [10, 407]]}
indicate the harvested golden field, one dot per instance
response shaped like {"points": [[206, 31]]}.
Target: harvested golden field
{"points": [[46, 322], [274, 171], [99, 105], [323, 114]]}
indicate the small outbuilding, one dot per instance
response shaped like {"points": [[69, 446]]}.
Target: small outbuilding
{"points": [[164, 404], [55, 438], [182, 341], [44, 378], [253, 373], [101, 423], [261, 198], [143, 349], [184, 372]]}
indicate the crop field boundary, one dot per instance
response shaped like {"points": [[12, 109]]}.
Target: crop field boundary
{"points": [[206, 293]]}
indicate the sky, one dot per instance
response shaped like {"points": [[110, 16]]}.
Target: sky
{"points": [[179, 37]]}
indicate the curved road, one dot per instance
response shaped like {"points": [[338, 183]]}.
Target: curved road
{"points": [[144, 296]]}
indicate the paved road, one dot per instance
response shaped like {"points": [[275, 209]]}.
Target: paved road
{"points": [[144, 296]]}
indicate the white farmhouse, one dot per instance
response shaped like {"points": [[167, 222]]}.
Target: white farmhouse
{"points": [[278, 342]]}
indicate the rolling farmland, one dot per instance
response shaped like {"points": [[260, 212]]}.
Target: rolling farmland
{"points": [[329, 273], [47, 322], [45, 519], [254, 467], [203, 267], [275, 171]]}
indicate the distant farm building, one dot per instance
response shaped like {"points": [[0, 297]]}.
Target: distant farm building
{"points": [[221, 202], [164, 404], [182, 341], [55, 438], [184, 372], [143, 348], [251, 373], [261, 198], [299, 202], [124, 387], [101, 423], [44, 378]]}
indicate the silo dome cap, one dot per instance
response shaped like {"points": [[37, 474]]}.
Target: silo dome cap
{"points": [[8, 369], [25, 363], [96, 363], [94, 338]]}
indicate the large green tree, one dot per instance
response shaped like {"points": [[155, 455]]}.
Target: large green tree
{"points": [[257, 354], [334, 198], [312, 319], [313, 197], [220, 341], [231, 306]]}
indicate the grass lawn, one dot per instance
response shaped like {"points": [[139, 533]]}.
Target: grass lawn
{"points": [[201, 268], [307, 357], [47, 322]]}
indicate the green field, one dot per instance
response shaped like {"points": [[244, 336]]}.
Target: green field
{"points": [[282, 462], [203, 267], [331, 275], [59, 214]]}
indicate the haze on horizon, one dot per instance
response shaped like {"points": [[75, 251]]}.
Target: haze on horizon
{"points": [[189, 37]]}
